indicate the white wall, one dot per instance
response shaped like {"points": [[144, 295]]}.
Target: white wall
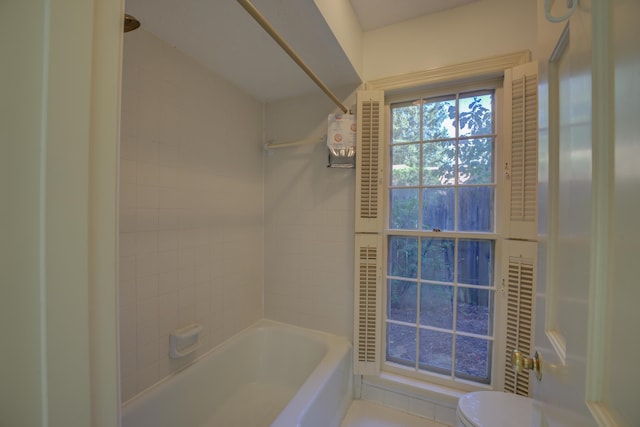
{"points": [[58, 134], [191, 232], [20, 185], [345, 27], [309, 220], [309, 209], [475, 31]]}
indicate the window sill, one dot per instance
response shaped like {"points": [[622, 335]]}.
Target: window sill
{"points": [[437, 394]]}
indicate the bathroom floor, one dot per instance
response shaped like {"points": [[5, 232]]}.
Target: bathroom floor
{"points": [[367, 414]]}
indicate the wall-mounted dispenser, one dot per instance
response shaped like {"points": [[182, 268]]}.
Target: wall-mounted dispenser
{"points": [[341, 140]]}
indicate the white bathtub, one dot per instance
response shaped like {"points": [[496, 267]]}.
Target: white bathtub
{"points": [[271, 374]]}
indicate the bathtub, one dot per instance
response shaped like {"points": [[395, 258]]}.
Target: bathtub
{"points": [[270, 374]]}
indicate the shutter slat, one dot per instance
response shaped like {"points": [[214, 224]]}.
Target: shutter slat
{"points": [[368, 206], [523, 102], [520, 278], [367, 304], [368, 161]]}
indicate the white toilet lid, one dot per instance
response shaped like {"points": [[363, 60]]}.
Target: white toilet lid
{"points": [[497, 409]]}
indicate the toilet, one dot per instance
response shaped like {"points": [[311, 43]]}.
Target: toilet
{"points": [[497, 409]]}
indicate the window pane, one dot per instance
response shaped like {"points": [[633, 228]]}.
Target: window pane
{"points": [[473, 358], [475, 209], [437, 261], [436, 306], [476, 115], [405, 123], [438, 208], [438, 119], [435, 350], [404, 209], [401, 344], [474, 311], [475, 161], [403, 257], [475, 262], [439, 163], [443, 177], [405, 165], [402, 300]]}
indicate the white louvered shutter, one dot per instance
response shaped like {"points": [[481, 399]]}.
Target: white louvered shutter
{"points": [[368, 228], [521, 120], [521, 90], [519, 283], [369, 161], [367, 298]]}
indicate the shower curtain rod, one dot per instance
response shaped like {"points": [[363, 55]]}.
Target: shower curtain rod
{"points": [[255, 13]]}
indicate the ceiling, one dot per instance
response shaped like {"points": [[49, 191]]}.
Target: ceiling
{"points": [[374, 14], [221, 35]]}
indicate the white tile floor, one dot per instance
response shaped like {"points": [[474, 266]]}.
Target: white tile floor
{"points": [[367, 414]]}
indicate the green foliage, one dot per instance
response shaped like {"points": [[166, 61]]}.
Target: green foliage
{"points": [[477, 119], [437, 141], [439, 168], [454, 147]]}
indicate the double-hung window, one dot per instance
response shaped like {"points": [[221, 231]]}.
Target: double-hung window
{"points": [[440, 234], [445, 231]]}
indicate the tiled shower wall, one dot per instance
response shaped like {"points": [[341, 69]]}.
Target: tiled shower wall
{"points": [[191, 232], [309, 220]]}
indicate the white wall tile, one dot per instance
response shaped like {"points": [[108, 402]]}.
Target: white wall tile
{"points": [[167, 178], [168, 240], [180, 150], [147, 219], [147, 311], [186, 255], [186, 277], [187, 315], [128, 196], [169, 219], [147, 174], [202, 274], [127, 245], [126, 291], [146, 287], [168, 282], [372, 394], [168, 323], [126, 267], [146, 333], [128, 220], [169, 198], [147, 376], [128, 171], [146, 264], [186, 297], [445, 415], [168, 303], [168, 154], [167, 261], [146, 242], [309, 217], [148, 152], [421, 408], [128, 147], [147, 196]]}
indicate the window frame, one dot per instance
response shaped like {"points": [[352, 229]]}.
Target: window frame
{"points": [[500, 223]]}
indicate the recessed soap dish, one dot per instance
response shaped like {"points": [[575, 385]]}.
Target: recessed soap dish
{"points": [[184, 341]]}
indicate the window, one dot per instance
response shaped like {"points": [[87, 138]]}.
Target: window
{"points": [[436, 249], [441, 237]]}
